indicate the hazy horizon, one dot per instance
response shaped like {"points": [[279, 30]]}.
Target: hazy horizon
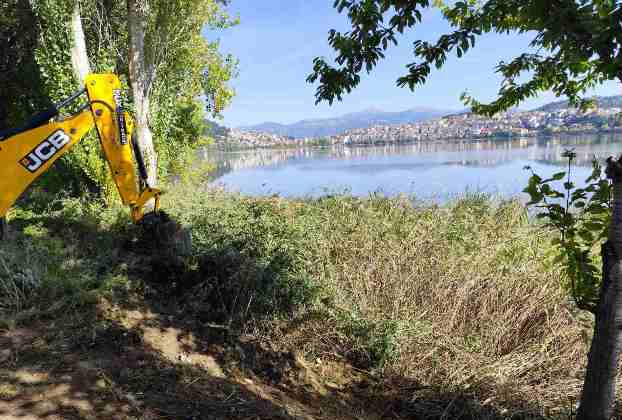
{"points": [[370, 109]]}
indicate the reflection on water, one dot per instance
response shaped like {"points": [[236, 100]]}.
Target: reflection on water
{"points": [[429, 170]]}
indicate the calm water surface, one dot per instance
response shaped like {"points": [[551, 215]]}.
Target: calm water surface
{"points": [[436, 171]]}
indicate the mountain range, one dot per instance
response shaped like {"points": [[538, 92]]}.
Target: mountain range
{"points": [[323, 127], [601, 102]]}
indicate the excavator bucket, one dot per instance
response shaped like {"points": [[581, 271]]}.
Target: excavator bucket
{"points": [[168, 236]]}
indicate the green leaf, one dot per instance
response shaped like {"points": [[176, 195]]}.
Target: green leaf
{"points": [[559, 258], [550, 192], [594, 226], [586, 236], [596, 208]]}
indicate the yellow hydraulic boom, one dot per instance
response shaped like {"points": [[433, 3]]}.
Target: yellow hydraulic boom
{"points": [[29, 151]]}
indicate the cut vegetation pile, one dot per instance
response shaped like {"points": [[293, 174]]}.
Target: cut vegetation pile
{"points": [[345, 308]]}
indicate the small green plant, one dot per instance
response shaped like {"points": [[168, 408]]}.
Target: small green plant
{"points": [[581, 215], [377, 341]]}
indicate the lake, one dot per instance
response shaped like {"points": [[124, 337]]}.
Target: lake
{"points": [[437, 171]]}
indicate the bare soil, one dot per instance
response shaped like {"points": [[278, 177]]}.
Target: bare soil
{"points": [[128, 362]]}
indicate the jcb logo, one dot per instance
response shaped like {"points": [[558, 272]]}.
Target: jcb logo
{"points": [[45, 151]]}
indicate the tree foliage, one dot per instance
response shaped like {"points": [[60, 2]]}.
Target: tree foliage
{"points": [[187, 67], [19, 72], [575, 45]]}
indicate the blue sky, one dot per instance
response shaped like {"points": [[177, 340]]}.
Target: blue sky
{"points": [[277, 40]]}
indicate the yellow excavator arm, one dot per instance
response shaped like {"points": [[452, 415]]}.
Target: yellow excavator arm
{"points": [[29, 151]]}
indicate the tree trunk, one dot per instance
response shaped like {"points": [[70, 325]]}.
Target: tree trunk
{"points": [[79, 57], [140, 79], [599, 389]]}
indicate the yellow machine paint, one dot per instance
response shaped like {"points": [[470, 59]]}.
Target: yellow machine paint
{"points": [[30, 153]]}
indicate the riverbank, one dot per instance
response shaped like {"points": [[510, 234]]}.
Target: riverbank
{"points": [[337, 308]]}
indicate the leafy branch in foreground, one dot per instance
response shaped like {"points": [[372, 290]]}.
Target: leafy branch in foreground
{"points": [[575, 46], [582, 217]]}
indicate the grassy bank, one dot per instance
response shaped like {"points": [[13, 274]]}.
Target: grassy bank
{"points": [[455, 311]]}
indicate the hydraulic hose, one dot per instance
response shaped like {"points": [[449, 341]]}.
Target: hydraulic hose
{"points": [[138, 155], [3, 228], [40, 118]]}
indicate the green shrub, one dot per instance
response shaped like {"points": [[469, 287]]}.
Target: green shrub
{"points": [[375, 343], [249, 261]]}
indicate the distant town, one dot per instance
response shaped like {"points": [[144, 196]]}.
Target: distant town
{"points": [[453, 127]]}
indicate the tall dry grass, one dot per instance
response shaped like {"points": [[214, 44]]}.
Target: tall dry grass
{"points": [[471, 290], [462, 297]]}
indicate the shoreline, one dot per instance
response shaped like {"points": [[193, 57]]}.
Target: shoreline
{"points": [[315, 145]]}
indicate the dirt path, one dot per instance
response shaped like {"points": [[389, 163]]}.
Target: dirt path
{"points": [[133, 364]]}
